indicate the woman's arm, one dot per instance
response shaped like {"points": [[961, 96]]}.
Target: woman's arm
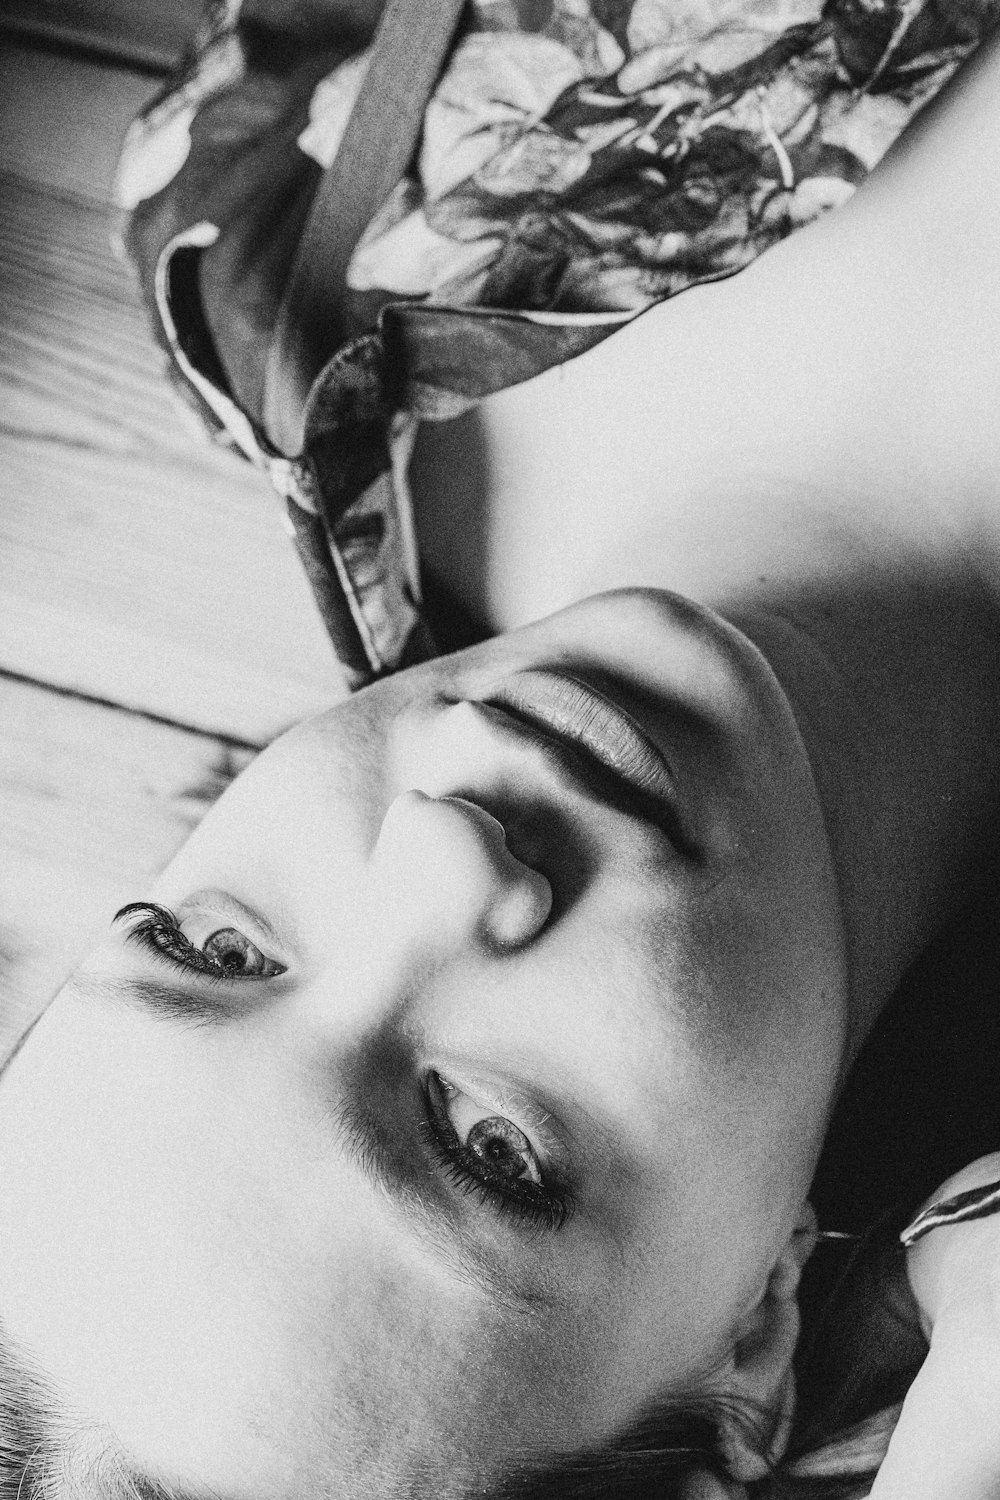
{"points": [[947, 1443]]}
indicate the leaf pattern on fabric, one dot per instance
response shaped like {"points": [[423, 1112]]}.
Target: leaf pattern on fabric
{"points": [[626, 151], [580, 160]]}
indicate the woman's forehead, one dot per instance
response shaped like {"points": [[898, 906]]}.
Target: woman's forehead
{"points": [[202, 1341], [150, 1256]]}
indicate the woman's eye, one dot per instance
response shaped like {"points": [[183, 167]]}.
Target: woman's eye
{"points": [[503, 1149], [487, 1155], [196, 942], [235, 954]]}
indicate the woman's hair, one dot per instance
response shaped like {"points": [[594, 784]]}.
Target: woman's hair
{"points": [[44, 1455], [652, 1461], [649, 1459]]}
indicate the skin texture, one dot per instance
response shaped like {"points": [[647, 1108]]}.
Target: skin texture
{"points": [[195, 1255]]}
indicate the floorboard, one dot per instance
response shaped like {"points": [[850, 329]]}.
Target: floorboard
{"points": [[138, 562], [148, 34], [62, 121]]}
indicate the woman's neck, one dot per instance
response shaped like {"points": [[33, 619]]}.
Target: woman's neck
{"points": [[892, 679]]}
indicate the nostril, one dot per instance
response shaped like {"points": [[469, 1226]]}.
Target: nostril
{"points": [[520, 910], [445, 862], [522, 899]]}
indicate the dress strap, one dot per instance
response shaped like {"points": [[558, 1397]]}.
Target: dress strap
{"points": [[974, 1203], [409, 49]]}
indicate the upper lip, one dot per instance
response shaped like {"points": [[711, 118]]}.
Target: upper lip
{"points": [[603, 745]]}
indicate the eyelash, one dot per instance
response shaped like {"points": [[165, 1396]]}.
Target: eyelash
{"points": [[158, 932], [533, 1203]]}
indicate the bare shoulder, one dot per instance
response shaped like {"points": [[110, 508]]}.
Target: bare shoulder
{"points": [[851, 376]]}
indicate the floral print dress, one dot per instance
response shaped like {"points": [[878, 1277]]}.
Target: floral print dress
{"points": [[580, 161]]}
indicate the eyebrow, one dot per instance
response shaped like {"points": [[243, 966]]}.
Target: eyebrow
{"points": [[406, 1183], [201, 1003]]}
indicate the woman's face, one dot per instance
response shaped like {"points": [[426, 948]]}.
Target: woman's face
{"points": [[476, 1097]]}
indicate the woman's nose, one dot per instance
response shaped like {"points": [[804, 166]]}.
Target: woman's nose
{"points": [[443, 870]]}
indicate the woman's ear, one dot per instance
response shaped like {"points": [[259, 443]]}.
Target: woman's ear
{"points": [[759, 1378]]}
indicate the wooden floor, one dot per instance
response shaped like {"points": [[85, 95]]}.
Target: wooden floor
{"points": [[155, 627]]}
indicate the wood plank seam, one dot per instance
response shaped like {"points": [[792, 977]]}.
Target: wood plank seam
{"points": [[86, 47], [219, 736]]}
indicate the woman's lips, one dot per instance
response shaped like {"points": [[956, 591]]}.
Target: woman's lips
{"points": [[608, 752]]}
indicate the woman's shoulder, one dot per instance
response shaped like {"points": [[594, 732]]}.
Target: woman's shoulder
{"points": [[838, 396]]}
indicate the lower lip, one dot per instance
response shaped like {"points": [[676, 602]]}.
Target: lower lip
{"points": [[620, 762]]}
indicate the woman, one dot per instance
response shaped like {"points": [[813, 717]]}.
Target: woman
{"points": [[453, 1103]]}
